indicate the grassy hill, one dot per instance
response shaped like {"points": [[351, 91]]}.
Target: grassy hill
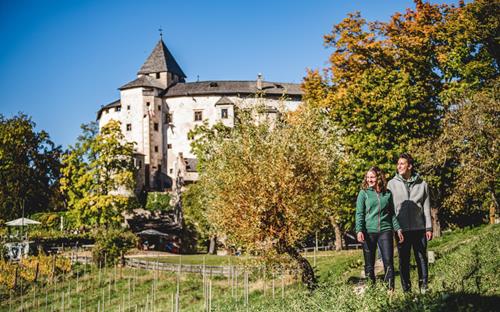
{"points": [[464, 277]]}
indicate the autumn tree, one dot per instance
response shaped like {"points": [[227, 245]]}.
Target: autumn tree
{"points": [[266, 182], [29, 168], [463, 161], [98, 175], [388, 83]]}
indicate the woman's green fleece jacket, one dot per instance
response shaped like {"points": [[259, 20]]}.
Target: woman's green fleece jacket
{"points": [[375, 212]]}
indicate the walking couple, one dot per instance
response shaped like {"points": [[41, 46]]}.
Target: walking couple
{"points": [[401, 206]]}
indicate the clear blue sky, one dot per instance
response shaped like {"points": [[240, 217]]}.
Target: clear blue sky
{"points": [[61, 60]]}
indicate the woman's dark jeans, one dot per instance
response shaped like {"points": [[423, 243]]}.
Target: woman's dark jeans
{"points": [[417, 241], [385, 243]]}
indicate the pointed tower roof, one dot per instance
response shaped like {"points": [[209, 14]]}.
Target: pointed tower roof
{"points": [[161, 60]]}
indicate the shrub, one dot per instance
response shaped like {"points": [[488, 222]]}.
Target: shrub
{"points": [[32, 269], [52, 220], [157, 201], [111, 245]]}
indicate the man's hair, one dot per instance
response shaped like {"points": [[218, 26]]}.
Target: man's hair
{"points": [[406, 156]]}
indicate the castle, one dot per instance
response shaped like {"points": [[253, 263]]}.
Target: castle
{"points": [[159, 108]]}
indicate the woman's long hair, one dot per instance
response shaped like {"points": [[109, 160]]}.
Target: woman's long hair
{"points": [[381, 181]]}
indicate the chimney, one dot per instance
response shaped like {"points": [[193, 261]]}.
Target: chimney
{"points": [[259, 81]]}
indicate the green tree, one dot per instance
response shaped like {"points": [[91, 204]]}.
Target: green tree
{"points": [[29, 168], [98, 175], [267, 182], [389, 83], [194, 209], [463, 161]]}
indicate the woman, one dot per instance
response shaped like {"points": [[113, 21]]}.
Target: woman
{"points": [[375, 223]]}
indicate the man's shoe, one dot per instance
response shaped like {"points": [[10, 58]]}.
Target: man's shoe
{"points": [[423, 286], [406, 288]]}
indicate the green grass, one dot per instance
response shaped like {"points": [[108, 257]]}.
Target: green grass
{"points": [[465, 277], [324, 259], [198, 259]]}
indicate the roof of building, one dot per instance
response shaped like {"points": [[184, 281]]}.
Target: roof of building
{"points": [[143, 81], [161, 60], [231, 87], [110, 105], [224, 101], [191, 164]]}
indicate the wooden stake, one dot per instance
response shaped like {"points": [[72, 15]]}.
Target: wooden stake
{"points": [[273, 284], [246, 288], [282, 286], [34, 293], [103, 300], [173, 304], [210, 296], [264, 280], [129, 292], [62, 301], [77, 278]]}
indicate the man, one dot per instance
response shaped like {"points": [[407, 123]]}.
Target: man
{"points": [[412, 206]]}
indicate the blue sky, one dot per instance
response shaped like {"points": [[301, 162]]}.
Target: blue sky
{"points": [[61, 60]]}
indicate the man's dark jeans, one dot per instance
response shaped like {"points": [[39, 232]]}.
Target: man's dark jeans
{"points": [[417, 241], [386, 247]]}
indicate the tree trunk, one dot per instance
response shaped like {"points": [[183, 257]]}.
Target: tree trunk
{"points": [[436, 225], [492, 214], [212, 248], [36, 271], [308, 277], [338, 235], [493, 207]]}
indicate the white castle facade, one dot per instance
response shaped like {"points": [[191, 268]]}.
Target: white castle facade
{"points": [[159, 108]]}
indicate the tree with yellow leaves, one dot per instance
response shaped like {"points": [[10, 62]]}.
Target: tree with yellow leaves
{"points": [[267, 182], [98, 176]]}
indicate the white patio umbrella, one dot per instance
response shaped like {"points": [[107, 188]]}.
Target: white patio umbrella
{"points": [[152, 233], [22, 222]]}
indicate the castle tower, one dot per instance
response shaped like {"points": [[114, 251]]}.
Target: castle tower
{"points": [[145, 113], [162, 66]]}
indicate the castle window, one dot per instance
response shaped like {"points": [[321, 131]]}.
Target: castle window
{"points": [[156, 148], [129, 127], [171, 170], [198, 116], [157, 75], [118, 108], [169, 117], [169, 146], [159, 107], [147, 104], [155, 126], [223, 113], [128, 107]]}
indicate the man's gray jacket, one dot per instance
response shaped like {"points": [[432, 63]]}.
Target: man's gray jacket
{"points": [[411, 202]]}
